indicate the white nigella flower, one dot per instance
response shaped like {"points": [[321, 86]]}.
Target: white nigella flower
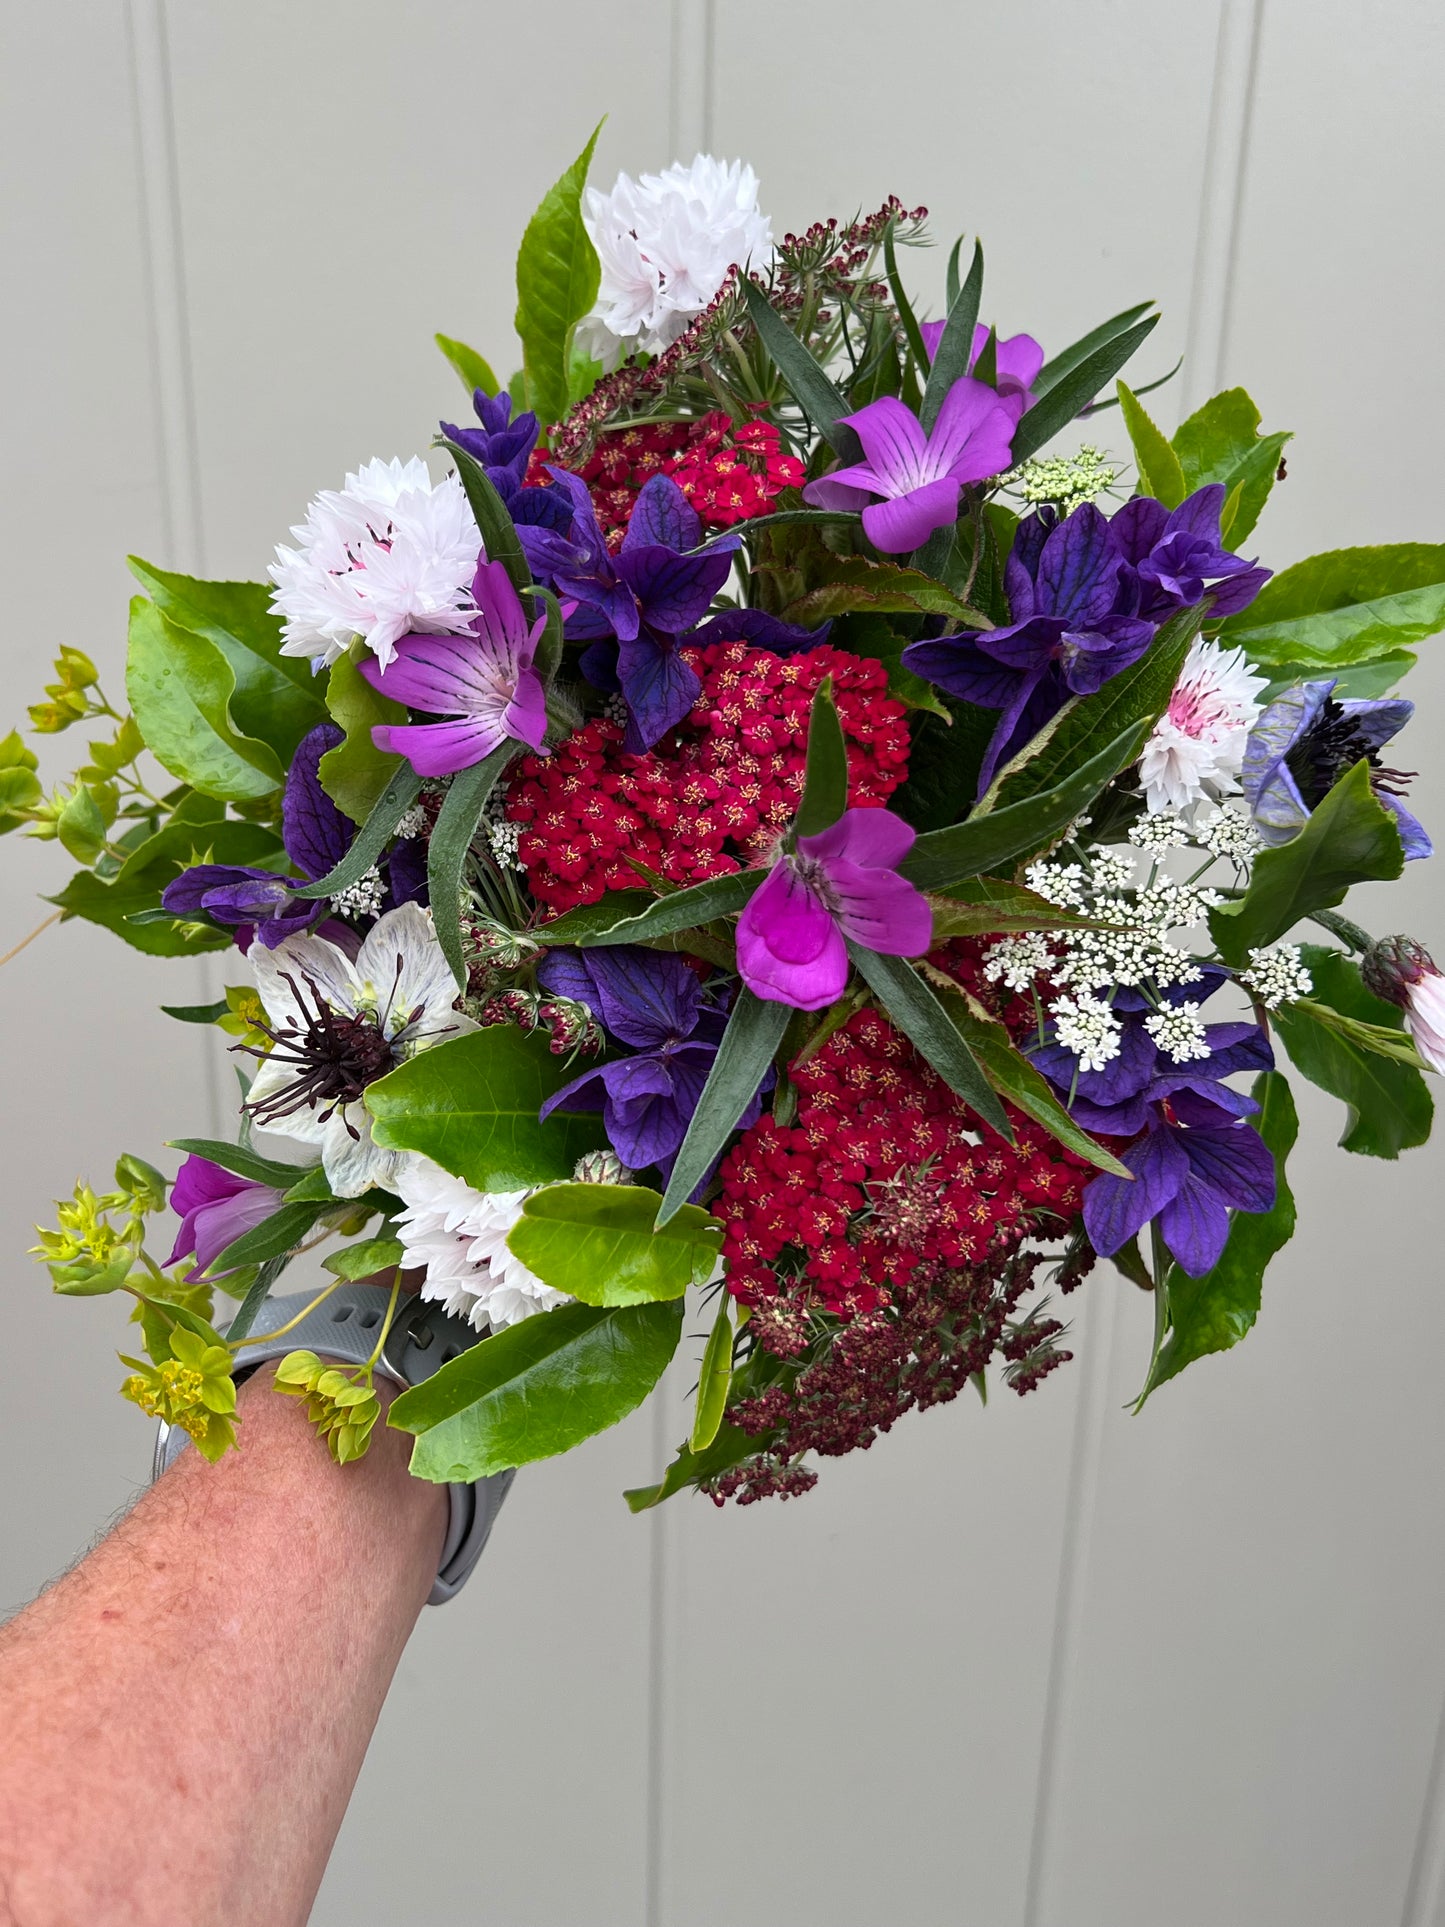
{"points": [[1178, 1030], [666, 242], [389, 553], [459, 1237], [1087, 1026], [1277, 976], [338, 1025], [1198, 743]]}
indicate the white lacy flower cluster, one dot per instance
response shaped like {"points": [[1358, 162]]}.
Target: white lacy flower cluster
{"points": [[1277, 975], [1088, 1027], [1178, 1030], [1069, 481], [665, 243], [362, 898]]}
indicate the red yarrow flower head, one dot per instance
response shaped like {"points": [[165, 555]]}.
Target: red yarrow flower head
{"points": [[484, 681], [842, 884]]}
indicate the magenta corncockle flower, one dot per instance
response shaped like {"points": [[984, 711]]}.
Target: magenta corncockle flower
{"points": [[919, 476], [842, 883], [483, 681], [215, 1208]]}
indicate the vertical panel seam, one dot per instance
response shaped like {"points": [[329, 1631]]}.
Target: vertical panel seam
{"points": [[1422, 1890]]}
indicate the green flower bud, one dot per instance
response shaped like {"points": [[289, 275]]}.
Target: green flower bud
{"points": [[342, 1405]]}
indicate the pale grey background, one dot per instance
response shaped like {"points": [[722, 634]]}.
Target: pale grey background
{"points": [[1043, 1666]]}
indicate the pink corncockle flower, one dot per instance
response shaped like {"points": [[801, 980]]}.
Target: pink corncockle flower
{"points": [[484, 681], [920, 476], [1405, 974], [841, 884]]}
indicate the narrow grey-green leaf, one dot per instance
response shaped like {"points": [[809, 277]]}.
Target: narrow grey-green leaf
{"points": [[713, 1380], [718, 897], [825, 779], [372, 838], [955, 344], [497, 529], [1059, 404], [446, 855], [808, 382], [1064, 363], [919, 1014], [754, 1031]]}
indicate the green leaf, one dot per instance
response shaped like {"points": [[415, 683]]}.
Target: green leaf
{"points": [[1388, 1105], [713, 1380], [239, 1159], [356, 772], [493, 518], [81, 826], [994, 906], [180, 686], [1350, 838], [256, 1294], [372, 838], [276, 698], [880, 588], [272, 1238], [313, 1186], [825, 779], [754, 1031], [719, 897], [536, 1389], [596, 1242], [1059, 404], [1211, 1313], [1069, 358], [944, 764], [366, 1259], [471, 1105], [731, 1446], [921, 1016], [985, 369], [901, 302], [1361, 680], [594, 919], [1159, 472], [1348, 606], [955, 344], [940, 859], [451, 838], [557, 279], [474, 369], [1138, 694], [1221, 442], [811, 387], [1014, 1077], [197, 1013]]}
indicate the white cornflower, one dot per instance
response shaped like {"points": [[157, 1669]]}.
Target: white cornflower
{"points": [[1068, 481], [388, 553], [411, 824], [338, 1024], [1111, 870], [1228, 832], [1061, 884], [1159, 831], [1198, 743], [666, 242], [1087, 1026], [1017, 961], [1178, 1030], [1277, 976], [362, 898], [458, 1236]]}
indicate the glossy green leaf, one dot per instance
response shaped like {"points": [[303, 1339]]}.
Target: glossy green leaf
{"points": [[729, 1448], [880, 588], [197, 1013], [718, 897], [1388, 1104], [493, 518], [472, 1104], [1211, 1313], [241, 1160], [451, 838], [941, 859], [919, 1013], [1350, 838], [1138, 694], [557, 279], [180, 687], [1356, 681], [1059, 404], [1014, 1077], [825, 778], [597, 1243], [1064, 363], [474, 369], [714, 1380], [807, 381], [994, 906], [274, 1236], [536, 1389], [372, 838], [1349, 606], [81, 826], [366, 1259], [356, 772], [1221, 442], [754, 1031], [276, 698], [1159, 472], [312, 1186], [955, 344]]}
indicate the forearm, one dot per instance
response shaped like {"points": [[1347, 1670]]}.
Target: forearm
{"points": [[185, 1714]]}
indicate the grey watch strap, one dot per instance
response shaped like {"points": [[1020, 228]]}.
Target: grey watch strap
{"points": [[423, 1337]]}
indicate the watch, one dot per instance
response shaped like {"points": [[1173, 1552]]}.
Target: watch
{"points": [[423, 1337]]}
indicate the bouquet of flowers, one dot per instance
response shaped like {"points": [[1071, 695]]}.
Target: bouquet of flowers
{"points": [[773, 834]]}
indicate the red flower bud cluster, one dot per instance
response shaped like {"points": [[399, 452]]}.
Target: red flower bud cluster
{"points": [[716, 793]]}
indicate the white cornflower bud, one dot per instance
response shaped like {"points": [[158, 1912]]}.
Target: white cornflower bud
{"points": [[1178, 1030], [1088, 1027], [362, 898], [1277, 976]]}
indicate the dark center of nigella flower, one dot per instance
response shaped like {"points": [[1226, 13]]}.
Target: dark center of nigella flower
{"points": [[1331, 745], [335, 1057]]}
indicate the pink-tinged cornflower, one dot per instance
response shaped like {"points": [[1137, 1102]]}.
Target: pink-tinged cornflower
{"points": [[919, 476], [215, 1207], [483, 681], [1018, 361], [841, 884]]}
